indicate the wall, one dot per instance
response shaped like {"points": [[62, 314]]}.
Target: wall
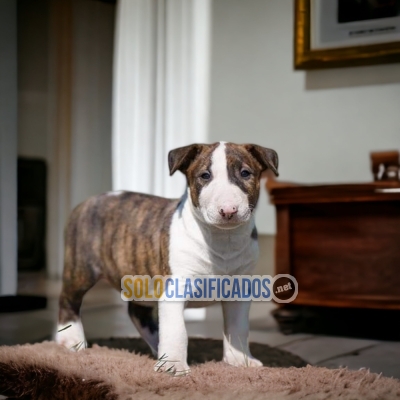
{"points": [[8, 147], [93, 31], [323, 124], [93, 25], [32, 77], [65, 54]]}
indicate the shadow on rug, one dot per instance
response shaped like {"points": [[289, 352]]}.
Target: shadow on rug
{"points": [[204, 350], [48, 371]]}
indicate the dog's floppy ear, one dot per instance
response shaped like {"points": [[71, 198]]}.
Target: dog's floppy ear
{"points": [[268, 158], [181, 158]]}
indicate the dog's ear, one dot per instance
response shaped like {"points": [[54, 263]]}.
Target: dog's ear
{"points": [[268, 158], [181, 158]]}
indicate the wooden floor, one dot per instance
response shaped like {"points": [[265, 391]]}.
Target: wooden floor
{"points": [[104, 315]]}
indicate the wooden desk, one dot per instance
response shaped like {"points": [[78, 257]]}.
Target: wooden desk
{"points": [[341, 242]]}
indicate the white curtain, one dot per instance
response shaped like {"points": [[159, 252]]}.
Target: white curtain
{"points": [[161, 89]]}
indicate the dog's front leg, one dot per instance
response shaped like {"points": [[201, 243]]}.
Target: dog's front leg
{"points": [[236, 333], [172, 349]]}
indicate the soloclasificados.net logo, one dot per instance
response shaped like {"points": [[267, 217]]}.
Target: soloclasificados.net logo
{"points": [[282, 288]]}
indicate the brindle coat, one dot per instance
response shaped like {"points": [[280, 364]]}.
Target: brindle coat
{"points": [[106, 234]]}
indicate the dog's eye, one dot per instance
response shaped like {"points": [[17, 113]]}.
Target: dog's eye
{"points": [[244, 173], [206, 176]]}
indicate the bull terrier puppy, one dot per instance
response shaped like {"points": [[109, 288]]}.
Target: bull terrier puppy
{"points": [[209, 231]]}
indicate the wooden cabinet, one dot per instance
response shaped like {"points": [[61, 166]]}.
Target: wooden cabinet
{"points": [[341, 242]]}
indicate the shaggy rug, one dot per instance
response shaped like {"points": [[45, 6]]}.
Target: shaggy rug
{"points": [[49, 371]]}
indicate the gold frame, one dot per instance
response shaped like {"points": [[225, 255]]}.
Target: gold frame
{"points": [[305, 58]]}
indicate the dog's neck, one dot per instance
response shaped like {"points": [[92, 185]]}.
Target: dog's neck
{"points": [[198, 248]]}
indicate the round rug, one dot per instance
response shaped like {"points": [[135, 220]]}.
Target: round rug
{"points": [[201, 351]]}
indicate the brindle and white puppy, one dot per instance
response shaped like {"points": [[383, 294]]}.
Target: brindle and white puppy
{"points": [[210, 230]]}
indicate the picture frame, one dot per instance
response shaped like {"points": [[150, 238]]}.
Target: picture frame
{"points": [[351, 52]]}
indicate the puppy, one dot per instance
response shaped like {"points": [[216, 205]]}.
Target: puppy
{"points": [[209, 231]]}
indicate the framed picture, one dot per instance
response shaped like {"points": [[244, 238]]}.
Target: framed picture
{"points": [[343, 33]]}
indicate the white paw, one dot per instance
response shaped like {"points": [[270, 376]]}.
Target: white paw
{"points": [[171, 366], [242, 360], [71, 336], [239, 356], [237, 352]]}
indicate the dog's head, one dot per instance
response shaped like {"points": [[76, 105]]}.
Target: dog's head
{"points": [[223, 179]]}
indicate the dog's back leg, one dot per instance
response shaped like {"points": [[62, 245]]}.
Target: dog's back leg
{"points": [[78, 277], [145, 320], [70, 330]]}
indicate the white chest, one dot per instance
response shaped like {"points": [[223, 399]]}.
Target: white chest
{"points": [[196, 249]]}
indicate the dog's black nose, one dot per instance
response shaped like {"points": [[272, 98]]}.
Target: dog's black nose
{"points": [[228, 211]]}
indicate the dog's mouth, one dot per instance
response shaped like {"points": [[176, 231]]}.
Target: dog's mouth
{"points": [[227, 225], [230, 222]]}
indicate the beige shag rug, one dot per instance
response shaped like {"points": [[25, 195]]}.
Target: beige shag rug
{"points": [[49, 371]]}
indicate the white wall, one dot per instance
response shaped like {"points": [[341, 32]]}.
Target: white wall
{"points": [[323, 124], [8, 147]]}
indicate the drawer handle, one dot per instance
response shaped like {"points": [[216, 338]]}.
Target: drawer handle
{"points": [[388, 190]]}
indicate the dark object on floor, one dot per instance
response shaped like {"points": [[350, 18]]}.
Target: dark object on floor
{"points": [[204, 350], [31, 214], [49, 371], [359, 323], [21, 303]]}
